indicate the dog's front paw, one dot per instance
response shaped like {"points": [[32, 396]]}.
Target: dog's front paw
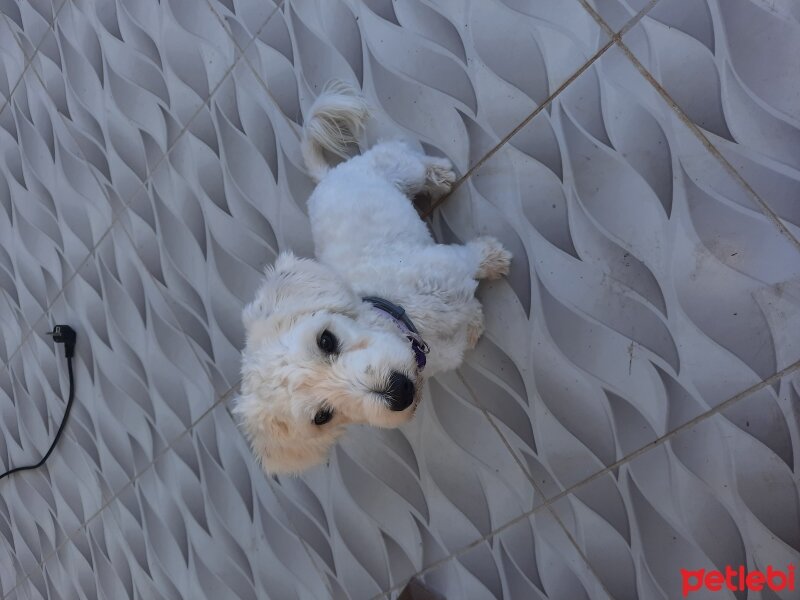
{"points": [[495, 260], [439, 175]]}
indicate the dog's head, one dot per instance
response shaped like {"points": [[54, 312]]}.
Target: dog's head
{"points": [[316, 360]]}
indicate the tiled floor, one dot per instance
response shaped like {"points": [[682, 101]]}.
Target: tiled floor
{"points": [[633, 409]]}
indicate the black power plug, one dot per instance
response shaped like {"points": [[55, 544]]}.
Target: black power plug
{"points": [[62, 334]]}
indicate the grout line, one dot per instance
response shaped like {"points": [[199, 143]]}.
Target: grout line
{"points": [[439, 201], [624, 460], [698, 133], [29, 61], [506, 443], [531, 480], [614, 38], [596, 16], [636, 18], [24, 69], [627, 26], [579, 550], [254, 72], [126, 204], [765, 208], [168, 302]]}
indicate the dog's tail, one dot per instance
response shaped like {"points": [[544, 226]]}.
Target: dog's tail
{"points": [[334, 121]]}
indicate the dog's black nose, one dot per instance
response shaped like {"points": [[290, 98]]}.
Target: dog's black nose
{"points": [[400, 393]]}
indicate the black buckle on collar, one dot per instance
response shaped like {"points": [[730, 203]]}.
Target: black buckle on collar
{"points": [[398, 313]]}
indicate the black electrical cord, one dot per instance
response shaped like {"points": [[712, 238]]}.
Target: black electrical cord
{"points": [[62, 334]]}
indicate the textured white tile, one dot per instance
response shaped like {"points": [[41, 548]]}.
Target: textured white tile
{"points": [[648, 286], [57, 211], [533, 558], [716, 494], [138, 386], [202, 523], [728, 66], [392, 502]]}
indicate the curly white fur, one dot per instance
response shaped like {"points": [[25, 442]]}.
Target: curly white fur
{"points": [[335, 121], [369, 241]]}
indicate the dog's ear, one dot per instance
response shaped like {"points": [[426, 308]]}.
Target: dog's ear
{"points": [[294, 285], [268, 295], [266, 432], [273, 441]]}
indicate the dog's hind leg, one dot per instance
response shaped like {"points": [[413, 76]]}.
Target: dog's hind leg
{"points": [[411, 171], [494, 261], [481, 258]]}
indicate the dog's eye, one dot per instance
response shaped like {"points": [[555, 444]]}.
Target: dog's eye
{"points": [[328, 343], [323, 416]]}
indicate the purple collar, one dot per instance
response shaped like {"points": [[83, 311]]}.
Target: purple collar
{"points": [[405, 324]]}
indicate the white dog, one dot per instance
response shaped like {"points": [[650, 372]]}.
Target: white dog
{"points": [[350, 337]]}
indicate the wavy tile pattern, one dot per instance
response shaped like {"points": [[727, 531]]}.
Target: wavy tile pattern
{"points": [[149, 169], [711, 511], [742, 90]]}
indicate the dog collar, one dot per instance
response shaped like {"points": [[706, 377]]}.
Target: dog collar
{"points": [[405, 324]]}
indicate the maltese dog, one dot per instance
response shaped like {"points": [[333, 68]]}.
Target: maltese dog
{"points": [[351, 336]]}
